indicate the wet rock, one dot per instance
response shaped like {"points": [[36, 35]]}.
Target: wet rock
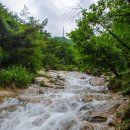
{"points": [[97, 119], [9, 104], [40, 79], [50, 83], [10, 108], [106, 109], [96, 126], [6, 93], [90, 127], [100, 97], [85, 107], [97, 81], [39, 121], [59, 83], [83, 78], [41, 91], [87, 100], [111, 120], [123, 108], [2, 99], [32, 90], [59, 87], [69, 125], [98, 111], [30, 99]]}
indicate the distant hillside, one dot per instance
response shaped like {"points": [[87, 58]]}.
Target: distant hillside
{"points": [[63, 39]]}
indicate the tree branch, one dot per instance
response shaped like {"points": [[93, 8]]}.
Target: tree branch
{"points": [[120, 41]]}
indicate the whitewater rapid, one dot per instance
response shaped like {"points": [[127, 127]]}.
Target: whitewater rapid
{"points": [[61, 109]]}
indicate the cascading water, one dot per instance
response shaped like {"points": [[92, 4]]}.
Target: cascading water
{"points": [[61, 109]]}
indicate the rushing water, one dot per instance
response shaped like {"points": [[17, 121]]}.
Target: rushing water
{"points": [[59, 109]]}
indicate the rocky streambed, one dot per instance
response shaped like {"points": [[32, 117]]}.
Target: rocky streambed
{"points": [[63, 101]]}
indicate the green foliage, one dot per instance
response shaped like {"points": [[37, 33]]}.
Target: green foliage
{"points": [[125, 82], [58, 55], [50, 61], [15, 77], [30, 58], [1, 55], [124, 125], [63, 39], [20, 41], [109, 57], [102, 38], [121, 83], [26, 43]]}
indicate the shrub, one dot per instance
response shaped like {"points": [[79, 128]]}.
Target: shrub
{"points": [[15, 76], [125, 82], [31, 58], [50, 61], [121, 83], [115, 84]]}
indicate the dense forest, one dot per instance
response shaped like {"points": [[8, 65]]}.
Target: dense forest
{"points": [[25, 47], [100, 45]]}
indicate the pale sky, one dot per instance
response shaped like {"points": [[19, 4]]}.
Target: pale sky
{"points": [[58, 12]]}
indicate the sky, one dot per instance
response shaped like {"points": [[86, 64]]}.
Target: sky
{"points": [[60, 13]]}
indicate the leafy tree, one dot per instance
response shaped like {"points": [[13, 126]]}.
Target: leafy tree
{"points": [[62, 52], [102, 36]]}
